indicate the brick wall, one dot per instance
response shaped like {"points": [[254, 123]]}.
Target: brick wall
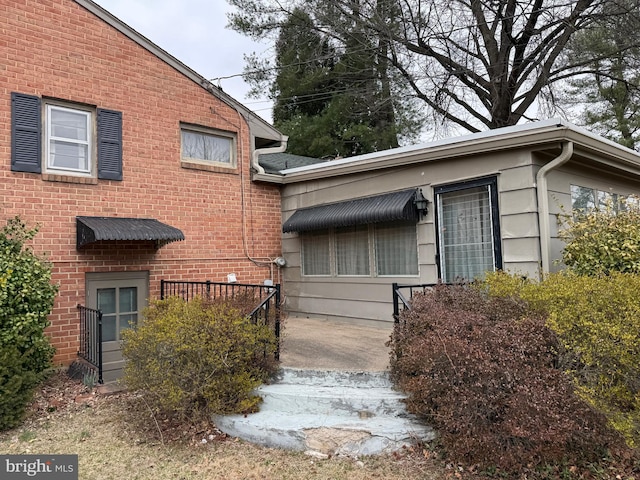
{"points": [[57, 49]]}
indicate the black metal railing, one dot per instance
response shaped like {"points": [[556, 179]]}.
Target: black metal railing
{"points": [[268, 313], [267, 297], [402, 295], [91, 338]]}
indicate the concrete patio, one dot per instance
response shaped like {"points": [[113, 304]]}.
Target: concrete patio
{"points": [[329, 345]]}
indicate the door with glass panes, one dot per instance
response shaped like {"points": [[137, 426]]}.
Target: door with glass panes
{"points": [[121, 297]]}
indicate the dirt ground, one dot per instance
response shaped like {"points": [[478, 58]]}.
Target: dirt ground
{"points": [[116, 437]]}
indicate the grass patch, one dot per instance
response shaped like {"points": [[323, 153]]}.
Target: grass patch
{"points": [[115, 437]]}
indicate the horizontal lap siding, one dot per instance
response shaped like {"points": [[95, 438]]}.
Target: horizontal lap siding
{"points": [[369, 298]]}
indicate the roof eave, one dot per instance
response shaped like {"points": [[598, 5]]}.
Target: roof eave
{"points": [[546, 134], [259, 127]]}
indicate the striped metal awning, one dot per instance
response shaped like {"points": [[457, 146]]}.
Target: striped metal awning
{"points": [[388, 207], [94, 229]]}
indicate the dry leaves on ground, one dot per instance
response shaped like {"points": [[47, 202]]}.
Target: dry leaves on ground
{"points": [[115, 436]]}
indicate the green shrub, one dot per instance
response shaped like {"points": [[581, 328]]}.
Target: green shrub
{"points": [[484, 372], [603, 241], [26, 299], [597, 320], [16, 385], [198, 358]]}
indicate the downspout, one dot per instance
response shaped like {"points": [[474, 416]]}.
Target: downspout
{"points": [[264, 262], [543, 203], [255, 161]]}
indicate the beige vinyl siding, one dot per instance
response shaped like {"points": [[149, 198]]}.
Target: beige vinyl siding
{"points": [[369, 298]]}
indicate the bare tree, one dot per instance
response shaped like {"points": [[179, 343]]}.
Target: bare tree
{"points": [[476, 64]]}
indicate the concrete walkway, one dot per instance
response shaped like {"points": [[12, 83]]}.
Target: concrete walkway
{"points": [[327, 345], [333, 395]]}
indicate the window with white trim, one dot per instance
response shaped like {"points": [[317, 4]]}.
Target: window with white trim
{"points": [[69, 140], [206, 146], [382, 250], [65, 140]]}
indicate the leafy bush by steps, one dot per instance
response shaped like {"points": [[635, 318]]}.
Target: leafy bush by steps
{"points": [[198, 357], [484, 372]]}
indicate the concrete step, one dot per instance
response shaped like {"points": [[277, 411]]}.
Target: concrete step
{"points": [[331, 400], [296, 376], [347, 413]]}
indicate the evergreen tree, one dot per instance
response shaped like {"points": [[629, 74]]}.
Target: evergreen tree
{"points": [[608, 90], [474, 64], [333, 96]]}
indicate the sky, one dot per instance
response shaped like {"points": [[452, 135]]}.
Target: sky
{"points": [[194, 31]]}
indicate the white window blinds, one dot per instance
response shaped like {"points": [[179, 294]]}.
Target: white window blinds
{"points": [[466, 233]]}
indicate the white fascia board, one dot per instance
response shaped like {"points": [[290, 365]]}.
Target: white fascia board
{"points": [[547, 132]]}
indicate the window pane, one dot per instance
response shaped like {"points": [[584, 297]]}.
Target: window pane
{"points": [[107, 300], [466, 234], [201, 146], [68, 139], [109, 333], [69, 124], [128, 299], [352, 250], [582, 199], [315, 253], [128, 321], [396, 249], [69, 156]]}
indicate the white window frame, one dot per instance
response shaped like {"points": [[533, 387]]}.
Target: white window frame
{"points": [[89, 142], [208, 132]]}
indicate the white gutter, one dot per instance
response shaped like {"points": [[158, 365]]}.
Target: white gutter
{"points": [[543, 203]]}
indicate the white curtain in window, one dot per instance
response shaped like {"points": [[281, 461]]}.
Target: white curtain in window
{"points": [[315, 253], [396, 249], [352, 250], [466, 234]]}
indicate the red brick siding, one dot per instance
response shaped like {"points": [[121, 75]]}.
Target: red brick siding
{"points": [[57, 49]]}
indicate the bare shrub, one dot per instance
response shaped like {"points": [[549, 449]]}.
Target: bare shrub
{"points": [[484, 372]]}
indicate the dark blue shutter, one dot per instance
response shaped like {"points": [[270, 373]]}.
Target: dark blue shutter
{"points": [[26, 137], [109, 145]]}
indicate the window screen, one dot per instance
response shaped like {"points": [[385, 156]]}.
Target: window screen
{"points": [[396, 249], [466, 233], [316, 258]]}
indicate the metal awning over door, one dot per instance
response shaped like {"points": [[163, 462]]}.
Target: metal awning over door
{"points": [[94, 229]]}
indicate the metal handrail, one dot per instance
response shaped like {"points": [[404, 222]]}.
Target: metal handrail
{"points": [[398, 296], [91, 338], [187, 290]]}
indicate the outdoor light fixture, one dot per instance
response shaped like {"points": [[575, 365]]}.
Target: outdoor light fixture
{"points": [[421, 203], [280, 261]]}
